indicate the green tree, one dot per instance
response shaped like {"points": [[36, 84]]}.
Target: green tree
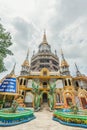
{"points": [[5, 43]]}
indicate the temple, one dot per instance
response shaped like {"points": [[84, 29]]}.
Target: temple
{"points": [[44, 58], [45, 69]]}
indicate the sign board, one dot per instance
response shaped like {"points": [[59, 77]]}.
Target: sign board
{"points": [[8, 85]]}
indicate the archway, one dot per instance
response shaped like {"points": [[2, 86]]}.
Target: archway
{"points": [[68, 100], [45, 97], [44, 84], [58, 98], [83, 101]]}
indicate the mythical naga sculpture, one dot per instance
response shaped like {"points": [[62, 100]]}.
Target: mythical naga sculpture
{"points": [[51, 96], [37, 96]]}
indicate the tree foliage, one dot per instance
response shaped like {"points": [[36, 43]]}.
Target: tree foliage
{"points": [[5, 43]]}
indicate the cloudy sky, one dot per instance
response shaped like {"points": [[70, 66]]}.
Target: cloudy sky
{"points": [[65, 22]]}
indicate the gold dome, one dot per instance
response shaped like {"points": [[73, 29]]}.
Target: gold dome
{"points": [[64, 63], [12, 76], [12, 73], [25, 63]]}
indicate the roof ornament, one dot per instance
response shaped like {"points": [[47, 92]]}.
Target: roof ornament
{"points": [[13, 70], [55, 52], [78, 73], [44, 37], [27, 57], [62, 54], [76, 67], [63, 61]]}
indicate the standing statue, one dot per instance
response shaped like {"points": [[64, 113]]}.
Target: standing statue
{"points": [[37, 96], [14, 106], [74, 108], [51, 96]]}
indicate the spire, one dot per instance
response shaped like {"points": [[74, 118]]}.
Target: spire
{"points": [[55, 52], [27, 55], [62, 54], [13, 70], [77, 70], [64, 65], [44, 37], [76, 67], [26, 61]]}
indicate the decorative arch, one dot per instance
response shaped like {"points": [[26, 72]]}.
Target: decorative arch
{"points": [[83, 96], [44, 72], [68, 98], [44, 96], [58, 98]]}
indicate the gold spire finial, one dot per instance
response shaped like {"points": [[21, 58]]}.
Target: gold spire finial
{"points": [[26, 61], [44, 37], [63, 62], [13, 70], [78, 73], [62, 54], [76, 67]]}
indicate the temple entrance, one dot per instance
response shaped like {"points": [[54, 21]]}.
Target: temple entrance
{"points": [[45, 98], [68, 100], [84, 103], [44, 84]]}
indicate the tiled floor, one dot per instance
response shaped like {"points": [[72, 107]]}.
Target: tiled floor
{"points": [[43, 121]]}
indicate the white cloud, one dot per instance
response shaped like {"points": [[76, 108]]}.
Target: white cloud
{"points": [[74, 42]]}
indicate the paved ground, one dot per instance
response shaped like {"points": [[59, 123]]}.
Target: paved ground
{"points": [[43, 121]]}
